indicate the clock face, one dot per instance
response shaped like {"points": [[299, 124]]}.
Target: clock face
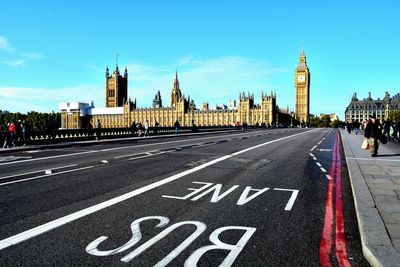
{"points": [[301, 78]]}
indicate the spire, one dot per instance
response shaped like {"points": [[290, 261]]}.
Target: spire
{"points": [[126, 72], [176, 82], [107, 71]]}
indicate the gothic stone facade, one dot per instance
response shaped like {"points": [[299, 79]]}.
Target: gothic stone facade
{"points": [[122, 112], [302, 95]]}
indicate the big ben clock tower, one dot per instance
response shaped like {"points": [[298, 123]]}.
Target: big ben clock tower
{"points": [[302, 84]]}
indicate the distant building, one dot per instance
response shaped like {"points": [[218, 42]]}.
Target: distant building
{"points": [[122, 112], [302, 85], [361, 109], [333, 116], [232, 104]]}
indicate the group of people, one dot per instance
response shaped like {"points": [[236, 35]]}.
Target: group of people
{"points": [[377, 133], [140, 130], [15, 134]]}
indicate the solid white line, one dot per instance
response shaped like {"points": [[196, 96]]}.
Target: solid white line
{"points": [[46, 175], [49, 157], [313, 148], [28, 234], [323, 170], [26, 173], [13, 240], [267, 143]]}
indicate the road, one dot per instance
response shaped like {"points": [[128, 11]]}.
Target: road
{"points": [[275, 197]]}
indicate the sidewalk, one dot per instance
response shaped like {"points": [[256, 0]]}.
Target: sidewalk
{"points": [[376, 190]]}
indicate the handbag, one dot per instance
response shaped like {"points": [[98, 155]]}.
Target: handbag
{"points": [[365, 144], [383, 139]]}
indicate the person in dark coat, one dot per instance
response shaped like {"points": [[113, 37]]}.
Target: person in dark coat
{"points": [[373, 132]]}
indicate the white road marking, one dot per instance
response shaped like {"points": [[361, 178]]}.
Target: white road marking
{"points": [[292, 198], [41, 229], [26, 173], [318, 164], [314, 158], [45, 175], [49, 157], [329, 177], [313, 148], [323, 170], [312, 155]]}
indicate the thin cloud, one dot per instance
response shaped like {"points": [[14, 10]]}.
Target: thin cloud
{"points": [[32, 55], [15, 63], [24, 99], [214, 80], [5, 45]]}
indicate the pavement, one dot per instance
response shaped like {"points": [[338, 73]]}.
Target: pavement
{"points": [[376, 190]]}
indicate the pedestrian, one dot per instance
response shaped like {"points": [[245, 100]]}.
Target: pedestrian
{"points": [[6, 137], [348, 126], [386, 128], [156, 124], [146, 129], [373, 133], [176, 125], [98, 130], [12, 133], [356, 126], [24, 132], [139, 127]]}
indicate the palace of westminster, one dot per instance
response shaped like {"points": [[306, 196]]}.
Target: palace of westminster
{"points": [[120, 111]]}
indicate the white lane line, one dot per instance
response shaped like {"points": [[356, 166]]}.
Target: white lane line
{"points": [[314, 158], [319, 142], [129, 155], [267, 143], [46, 175], [142, 157], [329, 177], [26, 173], [171, 142], [41, 229], [312, 155], [323, 170], [49, 157], [313, 148], [318, 164]]}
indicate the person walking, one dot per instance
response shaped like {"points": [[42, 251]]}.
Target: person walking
{"points": [[24, 132], [146, 129], [98, 130], [6, 137], [373, 132], [12, 131], [386, 128], [356, 126], [176, 125]]}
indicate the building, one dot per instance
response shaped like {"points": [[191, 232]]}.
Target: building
{"points": [[333, 116], [360, 110], [302, 94], [122, 112], [116, 88]]}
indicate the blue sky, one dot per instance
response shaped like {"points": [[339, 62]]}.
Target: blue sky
{"points": [[53, 51]]}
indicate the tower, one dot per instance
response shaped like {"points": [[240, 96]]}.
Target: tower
{"points": [[176, 94], [116, 88], [302, 94]]}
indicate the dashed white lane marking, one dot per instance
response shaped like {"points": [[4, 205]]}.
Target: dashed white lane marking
{"points": [[313, 148], [41, 229], [26, 173], [329, 177], [314, 158], [323, 170], [46, 175], [318, 164], [312, 155]]}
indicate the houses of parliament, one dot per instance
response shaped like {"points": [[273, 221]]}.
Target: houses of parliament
{"points": [[121, 111]]}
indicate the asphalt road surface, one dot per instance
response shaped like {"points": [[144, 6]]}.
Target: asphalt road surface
{"points": [[275, 197]]}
